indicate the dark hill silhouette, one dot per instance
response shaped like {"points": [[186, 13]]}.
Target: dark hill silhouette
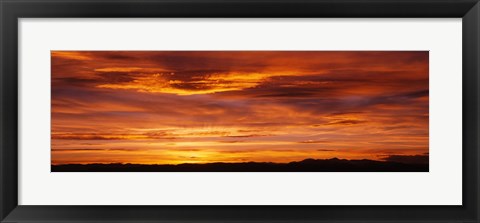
{"points": [[307, 165]]}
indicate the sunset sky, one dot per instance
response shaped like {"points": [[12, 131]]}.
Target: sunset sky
{"points": [[170, 107]]}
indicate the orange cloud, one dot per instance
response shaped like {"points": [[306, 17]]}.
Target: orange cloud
{"points": [[157, 83], [70, 55]]}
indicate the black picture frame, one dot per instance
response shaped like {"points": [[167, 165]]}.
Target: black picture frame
{"points": [[12, 10]]}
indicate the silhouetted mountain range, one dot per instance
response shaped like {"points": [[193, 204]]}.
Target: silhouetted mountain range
{"points": [[307, 165]]}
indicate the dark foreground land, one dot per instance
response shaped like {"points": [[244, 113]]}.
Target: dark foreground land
{"points": [[308, 165]]}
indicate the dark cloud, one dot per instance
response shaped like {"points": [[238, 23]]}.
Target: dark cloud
{"points": [[416, 159], [247, 136], [109, 136], [236, 141], [314, 141], [114, 77], [76, 149], [345, 122]]}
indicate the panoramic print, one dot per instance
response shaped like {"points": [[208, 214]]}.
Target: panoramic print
{"points": [[239, 111]]}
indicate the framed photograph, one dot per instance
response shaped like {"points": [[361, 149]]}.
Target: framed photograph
{"points": [[239, 111]]}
